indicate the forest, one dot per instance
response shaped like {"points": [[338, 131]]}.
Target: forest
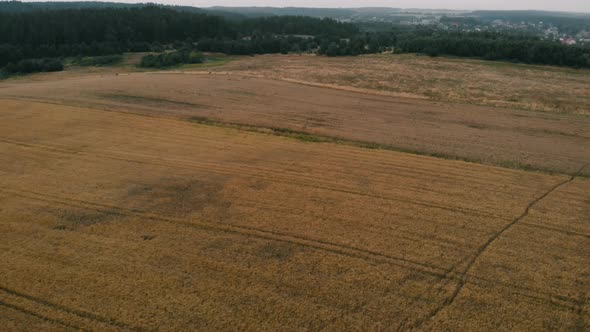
{"points": [[30, 38], [101, 31], [496, 46]]}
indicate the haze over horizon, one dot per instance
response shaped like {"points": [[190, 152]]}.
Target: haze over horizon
{"points": [[564, 5]]}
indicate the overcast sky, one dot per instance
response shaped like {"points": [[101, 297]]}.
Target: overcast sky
{"points": [[562, 5], [557, 5]]}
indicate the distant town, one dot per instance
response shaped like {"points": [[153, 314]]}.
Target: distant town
{"points": [[549, 29], [568, 28]]}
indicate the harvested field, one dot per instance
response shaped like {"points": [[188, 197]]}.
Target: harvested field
{"points": [[132, 221], [553, 142], [487, 83]]}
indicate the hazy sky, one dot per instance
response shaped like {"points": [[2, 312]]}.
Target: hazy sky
{"points": [[557, 5], [563, 5]]}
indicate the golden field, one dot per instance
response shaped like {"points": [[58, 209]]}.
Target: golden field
{"points": [[180, 201], [553, 142]]}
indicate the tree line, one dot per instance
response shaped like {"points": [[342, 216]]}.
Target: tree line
{"points": [[168, 59], [497, 46], [53, 34], [103, 31]]}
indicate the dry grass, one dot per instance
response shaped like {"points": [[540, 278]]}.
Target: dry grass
{"points": [[536, 88], [114, 221]]}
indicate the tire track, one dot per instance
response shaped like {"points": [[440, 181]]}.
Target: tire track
{"points": [[556, 230], [464, 276], [580, 312], [228, 170], [449, 274], [326, 246], [176, 120], [465, 273], [173, 119], [408, 235], [409, 170], [79, 313], [44, 318], [467, 210]]}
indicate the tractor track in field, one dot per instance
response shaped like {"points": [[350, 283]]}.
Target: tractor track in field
{"points": [[555, 229], [57, 307], [36, 315], [255, 172], [247, 127], [464, 276], [326, 246], [451, 278], [447, 274], [316, 244]]}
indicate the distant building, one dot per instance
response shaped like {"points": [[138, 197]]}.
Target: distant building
{"points": [[552, 32], [568, 41]]}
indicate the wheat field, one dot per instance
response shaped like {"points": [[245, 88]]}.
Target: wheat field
{"points": [[117, 219]]}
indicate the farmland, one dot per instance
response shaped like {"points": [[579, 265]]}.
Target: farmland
{"points": [[229, 198], [506, 137], [474, 82]]}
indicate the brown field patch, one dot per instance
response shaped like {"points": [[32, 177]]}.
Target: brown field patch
{"points": [[553, 142], [487, 83], [214, 228]]}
